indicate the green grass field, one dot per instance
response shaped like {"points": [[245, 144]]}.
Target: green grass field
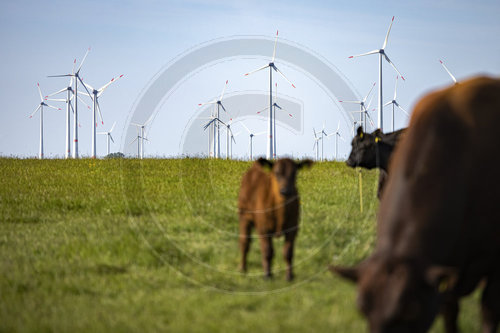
{"points": [[152, 245]]}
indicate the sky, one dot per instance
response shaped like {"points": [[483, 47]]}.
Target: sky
{"points": [[140, 39]]}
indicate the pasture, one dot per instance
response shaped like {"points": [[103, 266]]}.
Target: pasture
{"points": [[152, 245]]}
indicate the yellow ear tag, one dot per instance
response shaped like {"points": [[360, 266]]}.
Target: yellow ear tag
{"points": [[443, 286], [377, 139], [361, 135]]}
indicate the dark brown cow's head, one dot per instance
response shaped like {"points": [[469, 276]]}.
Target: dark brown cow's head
{"points": [[285, 171], [398, 295], [364, 149]]}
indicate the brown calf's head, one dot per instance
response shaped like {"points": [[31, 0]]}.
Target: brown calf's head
{"points": [[398, 295], [364, 149], [285, 172]]}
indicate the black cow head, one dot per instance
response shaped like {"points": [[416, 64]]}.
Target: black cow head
{"points": [[398, 295], [285, 171], [364, 149]]}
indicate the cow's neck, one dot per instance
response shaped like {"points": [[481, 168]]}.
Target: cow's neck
{"points": [[384, 151]]}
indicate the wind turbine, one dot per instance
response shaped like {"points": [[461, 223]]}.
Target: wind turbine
{"points": [[337, 136], [395, 103], [69, 90], [381, 53], [270, 144], [215, 125], [362, 106], [274, 106], [40, 107], [316, 143], [448, 71], [251, 134], [141, 136], [323, 134], [76, 75], [96, 93], [108, 137]]}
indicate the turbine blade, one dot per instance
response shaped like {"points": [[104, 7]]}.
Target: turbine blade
{"points": [[246, 128], [112, 127], [393, 66], [81, 100], [52, 107], [111, 138], [264, 109], [57, 92], [136, 138], [63, 75], [387, 36], [99, 109], [388, 103], [83, 60], [364, 54], [33, 113], [364, 99], [56, 99], [259, 69], [338, 126], [88, 92], [39, 92], [223, 108], [104, 87], [260, 133], [223, 91], [404, 111], [74, 65], [211, 102], [351, 102], [274, 50], [276, 69], [449, 73], [84, 94]]}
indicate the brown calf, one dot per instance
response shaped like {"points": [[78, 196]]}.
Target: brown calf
{"points": [[269, 201], [438, 230]]}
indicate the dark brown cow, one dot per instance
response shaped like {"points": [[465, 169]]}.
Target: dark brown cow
{"points": [[269, 201], [374, 150], [439, 222]]}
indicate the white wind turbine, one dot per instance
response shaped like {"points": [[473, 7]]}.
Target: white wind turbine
{"points": [[271, 144], [395, 103], [316, 144], [363, 108], [141, 136], [251, 135], [40, 107], [275, 106], [108, 137], [96, 93], [76, 75], [381, 53], [448, 71], [69, 96], [215, 125], [337, 136]]}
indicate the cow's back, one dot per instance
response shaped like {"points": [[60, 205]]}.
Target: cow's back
{"points": [[441, 198]]}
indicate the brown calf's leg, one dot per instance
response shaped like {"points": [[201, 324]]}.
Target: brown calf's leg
{"points": [[288, 254], [490, 304], [266, 247], [245, 240]]}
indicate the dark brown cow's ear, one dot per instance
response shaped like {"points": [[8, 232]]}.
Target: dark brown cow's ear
{"points": [[304, 163], [360, 132], [441, 277], [350, 273], [265, 163]]}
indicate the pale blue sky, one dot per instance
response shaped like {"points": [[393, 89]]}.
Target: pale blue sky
{"points": [[41, 38]]}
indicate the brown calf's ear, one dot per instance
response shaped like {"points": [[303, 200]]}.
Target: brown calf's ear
{"points": [[350, 273], [265, 163], [304, 163], [441, 277]]}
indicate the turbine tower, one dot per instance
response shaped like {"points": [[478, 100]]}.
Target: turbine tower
{"points": [[337, 136], [381, 53], [141, 136], [40, 107], [251, 135], [270, 143], [76, 75]]}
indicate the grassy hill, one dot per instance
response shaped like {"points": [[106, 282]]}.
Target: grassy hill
{"points": [[152, 245]]}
